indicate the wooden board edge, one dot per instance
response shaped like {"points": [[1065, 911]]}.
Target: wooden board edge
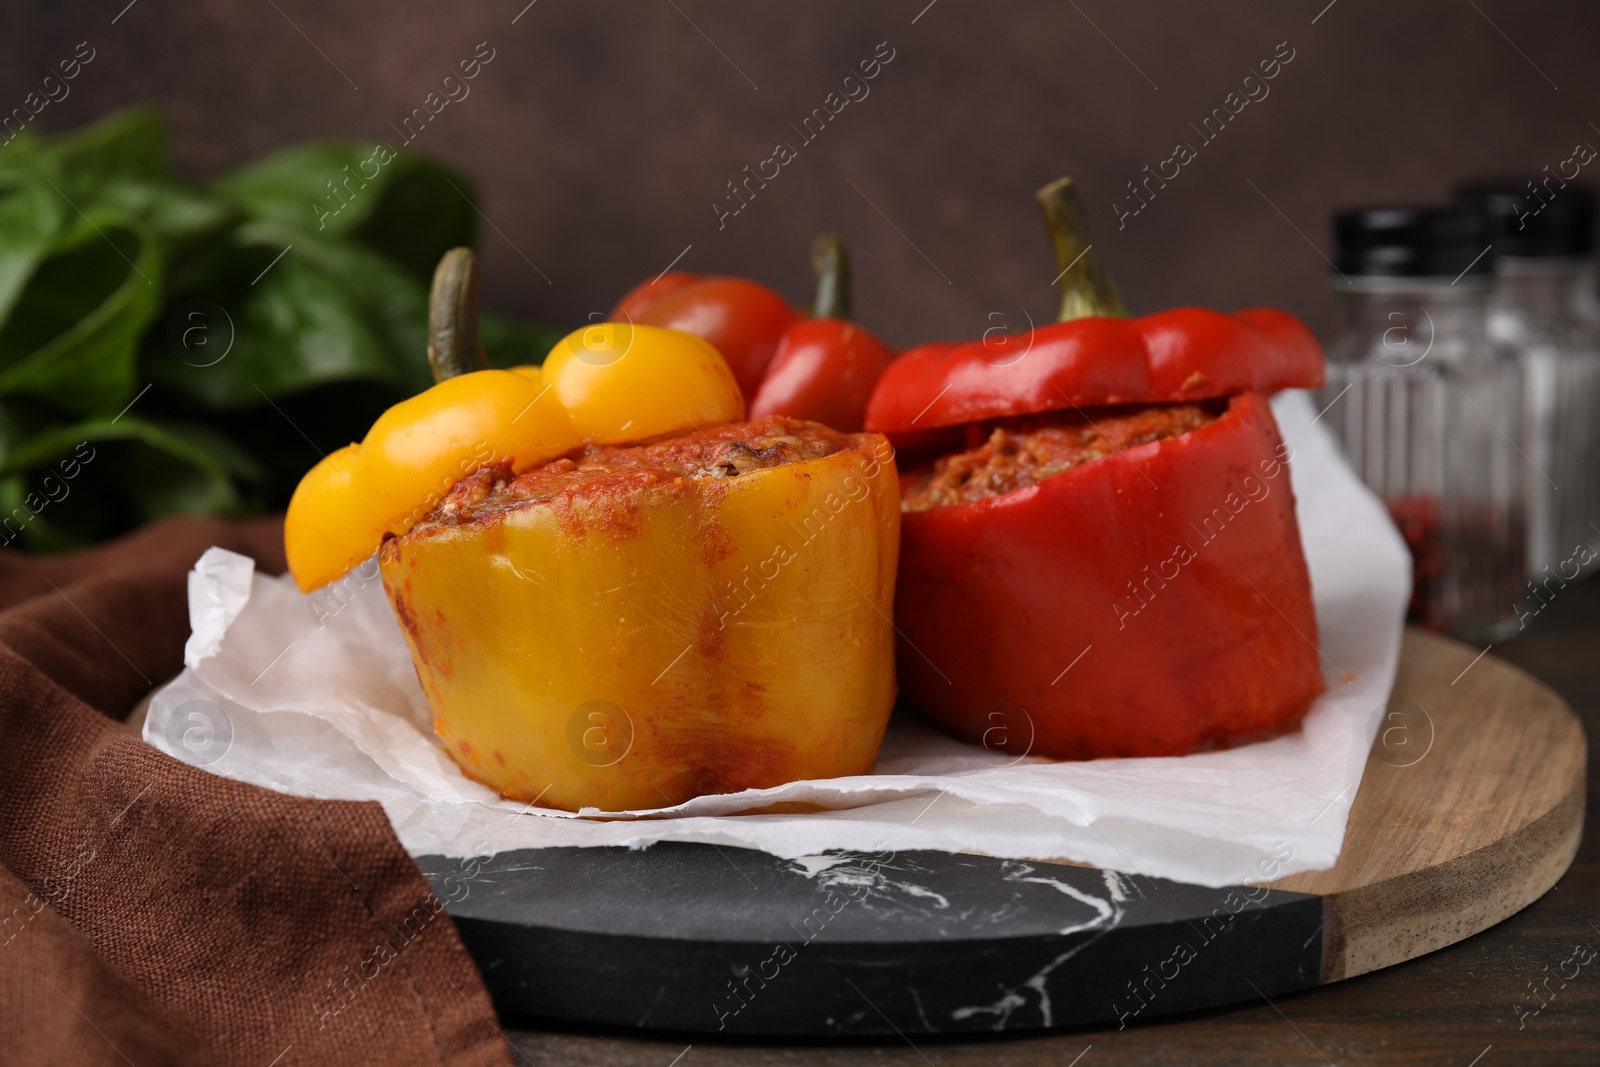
{"points": [[1378, 925]]}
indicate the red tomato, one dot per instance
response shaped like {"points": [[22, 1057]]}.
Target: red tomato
{"points": [[742, 320], [642, 296], [824, 370]]}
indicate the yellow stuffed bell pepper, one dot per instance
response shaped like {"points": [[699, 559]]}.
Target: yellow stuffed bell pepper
{"points": [[637, 626], [634, 598]]}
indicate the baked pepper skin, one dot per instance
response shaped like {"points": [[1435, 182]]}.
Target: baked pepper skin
{"points": [[1175, 356], [648, 645], [1148, 603]]}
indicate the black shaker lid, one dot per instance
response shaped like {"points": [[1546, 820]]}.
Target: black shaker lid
{"points": [[1536, 216], [1413, 242]]}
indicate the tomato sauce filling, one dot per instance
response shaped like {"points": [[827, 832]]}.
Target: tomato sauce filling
{"points": [[1009, 454], [601, 471]]}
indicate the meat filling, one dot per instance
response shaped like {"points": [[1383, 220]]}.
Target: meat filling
{"points": [[607, 470], [1021, 451]]}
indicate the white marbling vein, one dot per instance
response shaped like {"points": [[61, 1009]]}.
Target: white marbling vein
{"points": [[1109, 912]]}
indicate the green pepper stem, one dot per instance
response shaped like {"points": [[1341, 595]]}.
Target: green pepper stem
{"points": [[1086, 285], [831, 264], [454, 344]]}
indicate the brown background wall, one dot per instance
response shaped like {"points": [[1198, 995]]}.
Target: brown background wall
{"points": [[603, 131]]}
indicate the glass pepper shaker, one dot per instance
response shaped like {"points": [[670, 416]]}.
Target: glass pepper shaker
{"points": [[1544, 239], [1429, 410]]}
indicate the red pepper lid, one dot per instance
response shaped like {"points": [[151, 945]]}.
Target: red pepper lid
{"points": [[1181, 355], [1097, 356]]}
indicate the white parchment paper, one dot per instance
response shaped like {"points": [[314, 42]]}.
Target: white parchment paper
{"points": [[316, 696]]}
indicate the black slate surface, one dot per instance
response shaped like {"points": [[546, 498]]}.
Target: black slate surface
{"points": [[697, 937]]}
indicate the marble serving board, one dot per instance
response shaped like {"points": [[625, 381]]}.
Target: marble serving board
{"points": [[1470, 815]]}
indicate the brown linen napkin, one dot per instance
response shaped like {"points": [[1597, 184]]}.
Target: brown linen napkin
{"points": [[152, 913]]}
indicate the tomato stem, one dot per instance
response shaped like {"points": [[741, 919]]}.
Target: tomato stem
{"points": [[831, 263], [454, 344], [1086, 285]]}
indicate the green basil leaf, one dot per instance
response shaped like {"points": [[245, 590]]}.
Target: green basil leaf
{"points": [[74, 483], [317, 312], [426, 209], [130, 143], [178, 214], [294, 187], [72, 338], [21, 151], [31, 213], [279, 309], [196, 443], [405, 206]]}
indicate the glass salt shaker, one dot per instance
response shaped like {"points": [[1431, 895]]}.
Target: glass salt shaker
{"points": [[1429, 410], [1544, 239]]}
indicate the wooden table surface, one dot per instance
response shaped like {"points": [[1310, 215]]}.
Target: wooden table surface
{"points": [[1506, 996]]}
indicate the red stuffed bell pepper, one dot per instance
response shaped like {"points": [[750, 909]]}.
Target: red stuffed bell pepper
{"points": [[822, 368], [1105, 560]]}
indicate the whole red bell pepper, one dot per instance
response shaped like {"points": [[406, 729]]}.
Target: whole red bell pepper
{"points": [[821, 368], [1151, 602]]}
